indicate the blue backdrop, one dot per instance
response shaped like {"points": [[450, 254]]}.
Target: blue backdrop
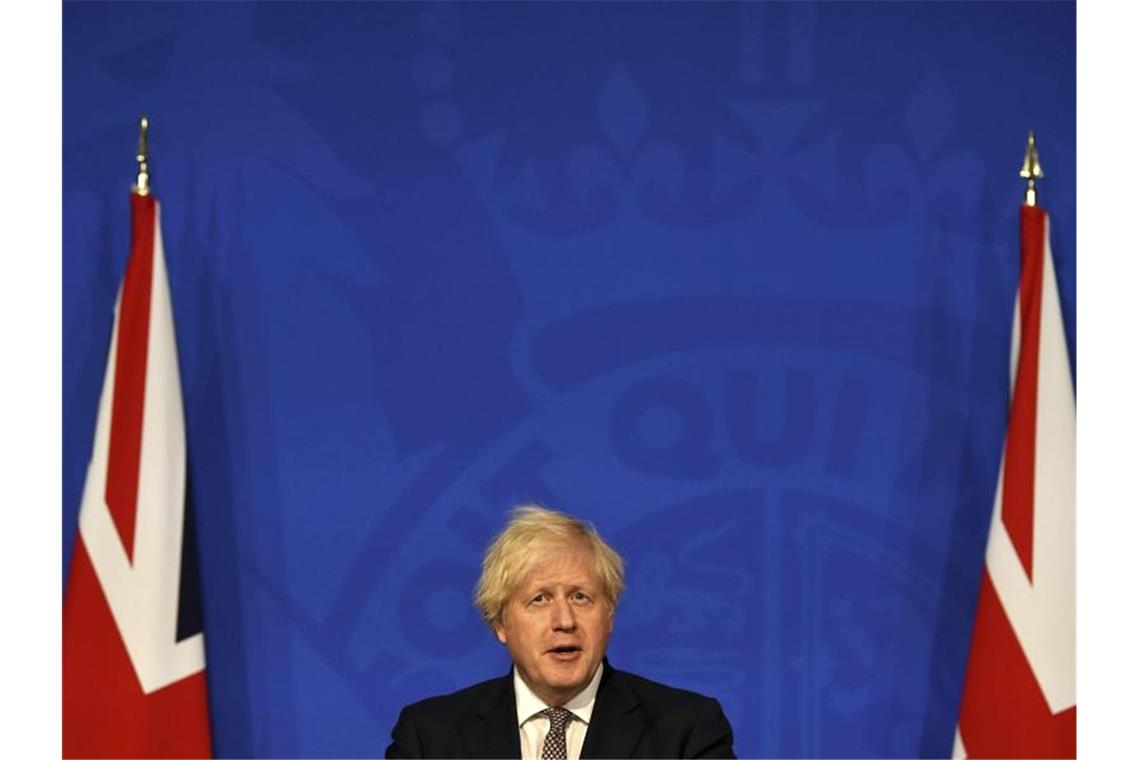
{"points": [[732, 281]]}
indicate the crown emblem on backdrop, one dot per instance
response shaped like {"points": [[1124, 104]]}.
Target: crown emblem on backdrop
{"points": [[764, 177], [635, 197]]}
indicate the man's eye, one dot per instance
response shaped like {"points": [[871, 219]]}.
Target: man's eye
{"points": [[579, 596], [538, 599]]}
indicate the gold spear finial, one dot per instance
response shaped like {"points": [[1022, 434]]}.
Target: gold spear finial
{"points": [[142, 182], [1031, 170]]}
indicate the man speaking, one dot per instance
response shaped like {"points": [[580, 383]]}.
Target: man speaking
{"points": [[549, 589]]}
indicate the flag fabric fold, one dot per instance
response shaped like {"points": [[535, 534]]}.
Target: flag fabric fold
{"points": [[134, 679], [1019, 697]]}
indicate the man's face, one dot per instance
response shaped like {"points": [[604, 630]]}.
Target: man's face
{"points": [[557, 623]]}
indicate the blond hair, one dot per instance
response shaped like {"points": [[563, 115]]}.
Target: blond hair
{"points": [[514, 553]]}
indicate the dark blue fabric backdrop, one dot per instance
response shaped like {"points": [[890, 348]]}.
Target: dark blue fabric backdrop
{"points": [[732, 281]]}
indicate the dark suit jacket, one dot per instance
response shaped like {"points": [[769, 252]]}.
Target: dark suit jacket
{"points": [[632, 717]]}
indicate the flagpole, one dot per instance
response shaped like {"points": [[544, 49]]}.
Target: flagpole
{"points": [[142, 156], [1031, 170]]}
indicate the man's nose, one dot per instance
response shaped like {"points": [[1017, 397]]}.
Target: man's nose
{"points": [[563, 616]]}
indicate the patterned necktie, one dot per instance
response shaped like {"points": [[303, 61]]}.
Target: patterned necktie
{"points": [[554, 748]]}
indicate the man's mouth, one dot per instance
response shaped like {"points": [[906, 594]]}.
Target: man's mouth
{"points": [[565, 653]]}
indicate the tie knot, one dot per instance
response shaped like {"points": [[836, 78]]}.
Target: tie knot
{"points": [[559, 716]]}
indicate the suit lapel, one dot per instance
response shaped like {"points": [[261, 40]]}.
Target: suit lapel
{"points": [[494, 730], [617, 722]]}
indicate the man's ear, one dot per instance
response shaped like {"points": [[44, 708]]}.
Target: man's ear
{"points": [[499, 632]]}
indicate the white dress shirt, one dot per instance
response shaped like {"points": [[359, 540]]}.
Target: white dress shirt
{"points": [[533, 725]]}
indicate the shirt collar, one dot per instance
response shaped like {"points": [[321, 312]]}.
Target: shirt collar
{"points": [[581, 704]]}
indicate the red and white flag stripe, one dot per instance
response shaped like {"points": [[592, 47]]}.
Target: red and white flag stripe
{"points": [[1020, 691], [133, 684]]}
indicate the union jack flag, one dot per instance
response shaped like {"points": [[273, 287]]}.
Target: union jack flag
{"points": [[1020, 697], [134, 664]]}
